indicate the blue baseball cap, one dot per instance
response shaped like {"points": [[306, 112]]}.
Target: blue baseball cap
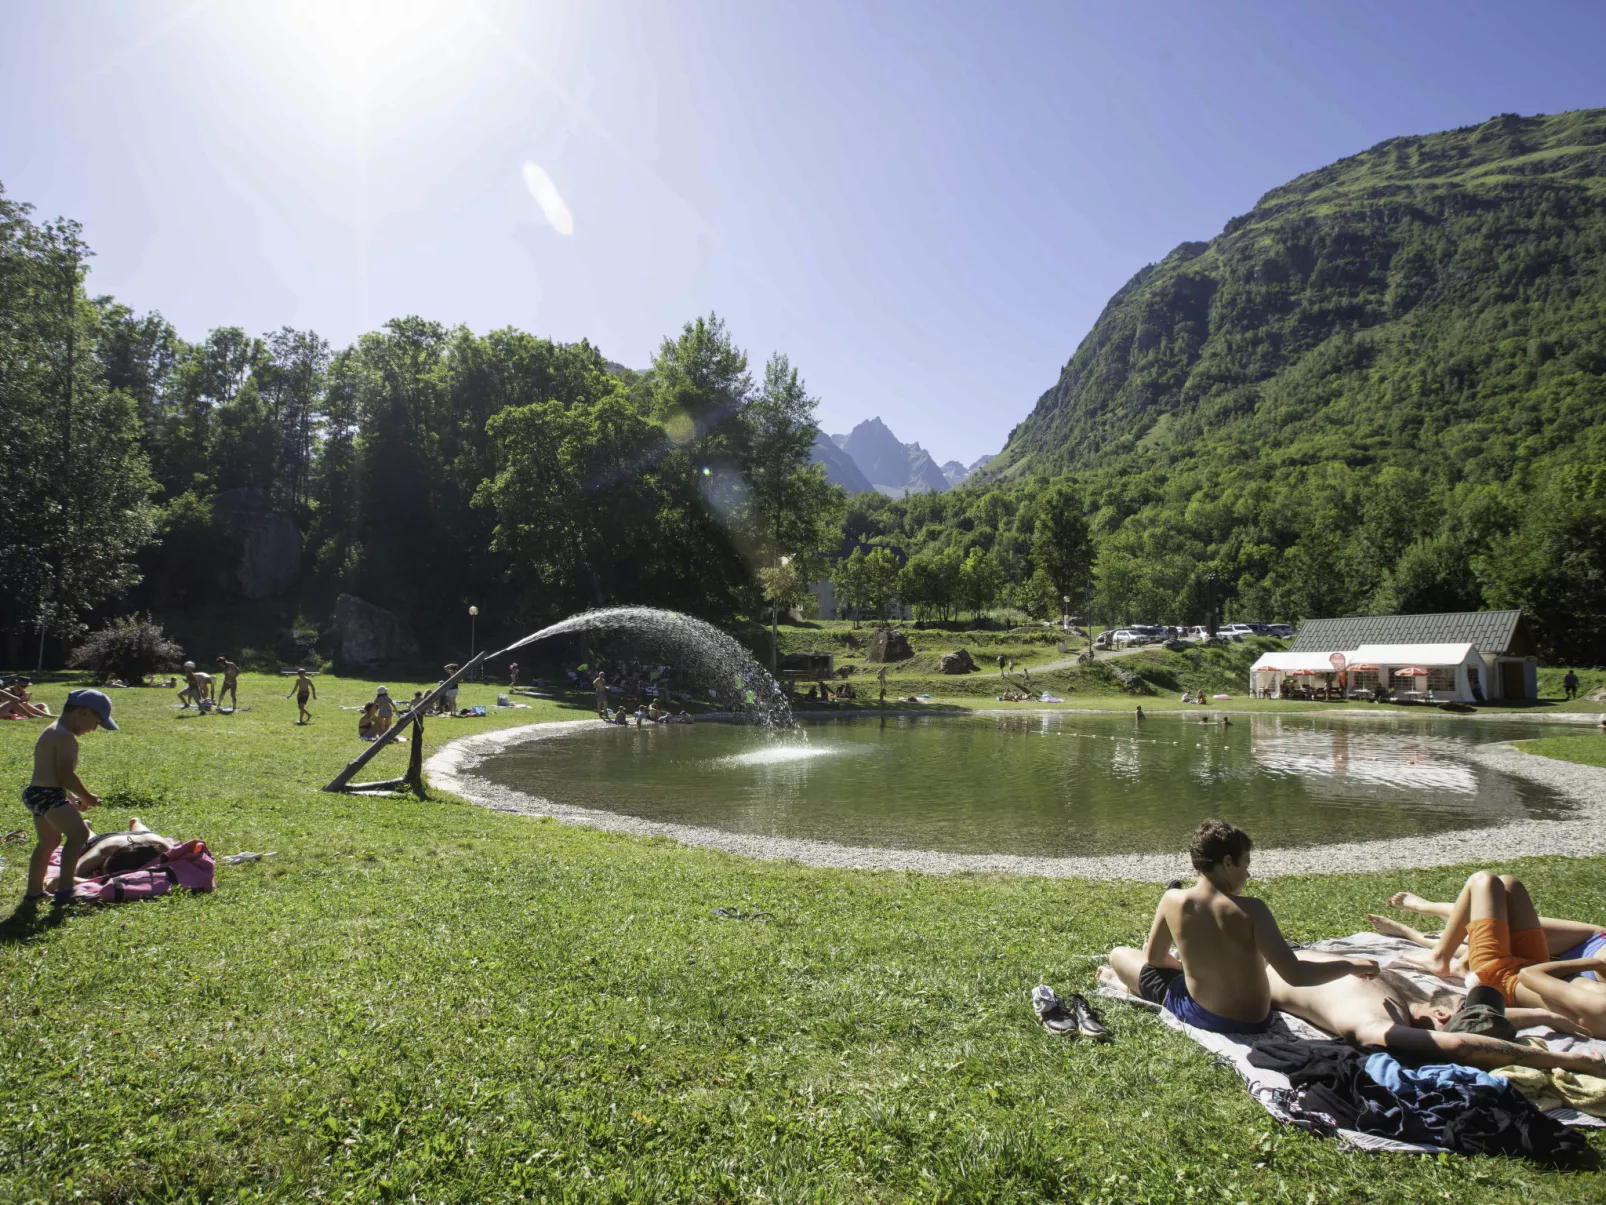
{"points": [[97, 702]]}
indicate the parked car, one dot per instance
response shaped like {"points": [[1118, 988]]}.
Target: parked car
{"points": [[1283, 630], [1127, 637], [1237, 631]]}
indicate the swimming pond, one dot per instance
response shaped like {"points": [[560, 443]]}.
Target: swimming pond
{"points": [[1041, 784]]}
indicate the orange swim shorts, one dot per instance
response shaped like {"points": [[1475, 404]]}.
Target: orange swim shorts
{"points": [[1497, 954]]}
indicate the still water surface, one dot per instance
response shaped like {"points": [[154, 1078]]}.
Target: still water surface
{"points": [[1044, 784]]}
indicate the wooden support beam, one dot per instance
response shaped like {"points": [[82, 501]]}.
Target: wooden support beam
{"points": [[410, 717]]}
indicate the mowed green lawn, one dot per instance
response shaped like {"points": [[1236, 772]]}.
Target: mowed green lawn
{"points": [[1587, 749], [431, 1001]]}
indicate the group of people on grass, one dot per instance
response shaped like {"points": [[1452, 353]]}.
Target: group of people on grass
{"points": [[199, 687], [1232, 967]]}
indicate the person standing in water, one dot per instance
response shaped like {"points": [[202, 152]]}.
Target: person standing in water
{"points": [[600, 683], [303, 689]]}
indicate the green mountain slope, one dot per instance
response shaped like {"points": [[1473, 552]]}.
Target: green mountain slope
{"points": [[1440, 297]]}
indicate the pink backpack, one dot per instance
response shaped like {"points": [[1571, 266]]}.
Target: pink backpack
{"points": [[188, 865]]}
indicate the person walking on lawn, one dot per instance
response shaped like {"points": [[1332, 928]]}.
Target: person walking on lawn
{"points": [[55, 795], [1570, 684], [303, 689]]}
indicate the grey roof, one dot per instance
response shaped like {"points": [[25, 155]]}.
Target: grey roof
{"points": [[1487, 631]]}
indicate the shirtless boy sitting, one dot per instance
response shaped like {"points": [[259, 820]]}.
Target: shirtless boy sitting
{"points": [[1382, 1013], [1225, 940]]}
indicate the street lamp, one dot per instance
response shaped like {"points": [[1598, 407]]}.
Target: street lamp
{"points": [[1065, 614], [1210, 612], [473, 614]]}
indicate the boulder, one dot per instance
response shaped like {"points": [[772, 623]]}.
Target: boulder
{"points": [[370, 635], [956, 662], [1599, 696], [268, 546], [887, 645], [1130, 680]]}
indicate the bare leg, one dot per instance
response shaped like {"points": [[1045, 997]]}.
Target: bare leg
{"points": [[1389, 927], [1127, 964], [1483, 896], [1560, 934], [1415, 903], [39, 863], [66, 820]]}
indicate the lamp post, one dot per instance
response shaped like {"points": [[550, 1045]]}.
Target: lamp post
{"points": [[1065, 613], [1087, 618], [473, 614], [775, 627], [1210, 612]]}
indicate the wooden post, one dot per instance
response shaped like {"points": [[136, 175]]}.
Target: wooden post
{"points": [[415, 759], [345, 776]]}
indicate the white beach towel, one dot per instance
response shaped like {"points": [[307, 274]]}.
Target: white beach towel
{"points": [[1268, 1087]]}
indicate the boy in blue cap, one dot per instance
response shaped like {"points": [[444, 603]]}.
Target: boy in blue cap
{"points": [[56, 794]]}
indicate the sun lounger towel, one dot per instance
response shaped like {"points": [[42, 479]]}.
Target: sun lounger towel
{"points": [[188, 865], [1268, 1087]]}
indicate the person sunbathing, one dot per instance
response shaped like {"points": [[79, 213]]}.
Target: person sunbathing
{"points": [[1225, 941], [17, 707], [116, 853], [1539, 938], [1382, 1013], [1581, 999]]}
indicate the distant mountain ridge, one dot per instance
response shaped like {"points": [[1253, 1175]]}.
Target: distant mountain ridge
{"points": [[1419, 297], [872, 457]]}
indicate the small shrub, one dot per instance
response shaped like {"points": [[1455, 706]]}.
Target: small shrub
{"points": [[131, 648]]}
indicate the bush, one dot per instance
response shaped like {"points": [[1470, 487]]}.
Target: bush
{"points": [[130, 648]]}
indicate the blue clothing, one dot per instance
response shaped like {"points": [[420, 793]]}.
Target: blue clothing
{"points": [[1590, 947], [1410, 1083], [1185, 1008]]}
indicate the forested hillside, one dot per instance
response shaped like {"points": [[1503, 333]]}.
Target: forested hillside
{"points": [[1383, 389], [1380, 390], [424, 468]]}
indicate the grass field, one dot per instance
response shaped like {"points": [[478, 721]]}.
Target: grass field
{"points": [[1587, 749], [430, 1001]]}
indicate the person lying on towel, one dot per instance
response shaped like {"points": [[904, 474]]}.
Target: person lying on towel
{"points": [[1225, 941], [1495, 914], [117, 853], [1387, 1013]]}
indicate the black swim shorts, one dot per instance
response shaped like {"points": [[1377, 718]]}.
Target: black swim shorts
{"points": [[1153, 982], [39, 800]]}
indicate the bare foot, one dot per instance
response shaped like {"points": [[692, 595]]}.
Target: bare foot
{"points": [[1426, 962], [1106, 974], [1408, 901], [1389, 927]]}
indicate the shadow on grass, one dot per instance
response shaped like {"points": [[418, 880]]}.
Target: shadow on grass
{"points": [[29, 921]]}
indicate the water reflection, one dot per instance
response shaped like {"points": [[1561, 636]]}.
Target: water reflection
{"points": [[1033, 783]]}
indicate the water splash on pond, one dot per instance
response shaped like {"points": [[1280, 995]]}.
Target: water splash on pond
{"points": [[702, 657]]}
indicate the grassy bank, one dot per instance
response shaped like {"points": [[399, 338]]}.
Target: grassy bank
{"points": [[430, 999], [1586, 750]]}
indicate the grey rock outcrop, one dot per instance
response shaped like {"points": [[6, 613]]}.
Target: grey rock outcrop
{"points": [[956, 662], [887, 645], [370, 635], [840, 468], [269, 556]]}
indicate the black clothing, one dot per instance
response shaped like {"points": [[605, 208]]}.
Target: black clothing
{"points": [[1153, 982], [1468, 1119]]}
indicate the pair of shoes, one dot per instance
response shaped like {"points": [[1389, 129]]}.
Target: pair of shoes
{"points": [[1066, 1019]]}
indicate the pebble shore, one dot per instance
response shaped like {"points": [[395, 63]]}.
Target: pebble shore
{"points": [[1582, 831]]}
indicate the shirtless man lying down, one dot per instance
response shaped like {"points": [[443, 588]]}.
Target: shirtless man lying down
{"points": [[1381, 1013], [115, 853]]}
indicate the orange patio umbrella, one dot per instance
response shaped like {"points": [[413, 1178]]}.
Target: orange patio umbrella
{"points": [[1411, 671]]}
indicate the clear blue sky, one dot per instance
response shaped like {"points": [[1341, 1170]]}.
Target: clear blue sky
{"points": [[925, 205]]}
